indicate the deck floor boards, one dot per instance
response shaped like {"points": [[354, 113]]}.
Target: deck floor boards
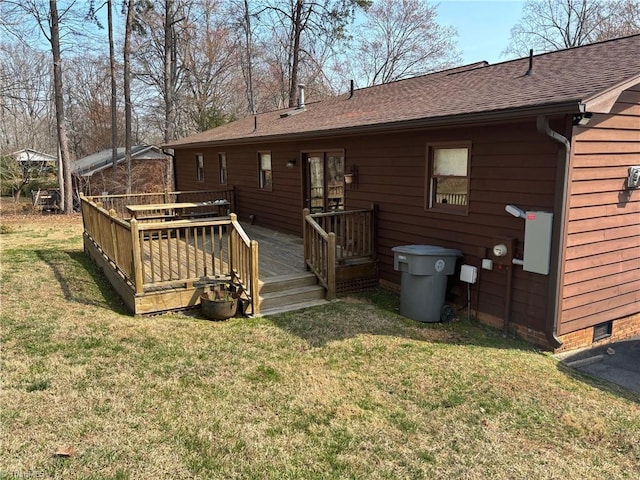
{"points": [[279, 254]]}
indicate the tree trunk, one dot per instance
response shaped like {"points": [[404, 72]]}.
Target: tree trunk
{"points": [[169, 83], [127, 93], [60, 177], [249, 59], [297, 28], [66, 196], [114, 95]]}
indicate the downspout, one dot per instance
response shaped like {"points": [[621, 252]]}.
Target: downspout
{"points": [[559, 234], [173, 166]]}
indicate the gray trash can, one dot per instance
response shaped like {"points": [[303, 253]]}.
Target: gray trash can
{"points": [[424, 279]]}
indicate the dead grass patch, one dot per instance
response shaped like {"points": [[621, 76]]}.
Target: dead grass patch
{"points": [[351, 390]]}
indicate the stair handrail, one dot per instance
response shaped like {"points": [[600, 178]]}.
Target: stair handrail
{"points": [[320, 253], [245, 262]]}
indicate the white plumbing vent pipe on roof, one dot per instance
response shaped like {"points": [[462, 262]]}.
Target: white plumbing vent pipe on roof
{"points": [[301, 95]]}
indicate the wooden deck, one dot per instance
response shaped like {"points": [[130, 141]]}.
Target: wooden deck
{"points": [[163, 264], [280, 253]]}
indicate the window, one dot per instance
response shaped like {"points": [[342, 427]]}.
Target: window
{"points": [[264, 164], [222, 168], [448, 182], [200, 167]]}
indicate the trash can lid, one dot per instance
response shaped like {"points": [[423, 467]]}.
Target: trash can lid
{"points": [[427, 250]]}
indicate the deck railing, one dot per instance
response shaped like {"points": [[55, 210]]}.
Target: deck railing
{"points": [[243, 263], [112, 235], [337, 238], [354, 232], [153, 256], [120, 202], [320, 253], [452, 198]]}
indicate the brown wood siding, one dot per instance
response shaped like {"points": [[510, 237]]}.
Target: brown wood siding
{"points": [[509, 164], [279, 208], [602, 262]]}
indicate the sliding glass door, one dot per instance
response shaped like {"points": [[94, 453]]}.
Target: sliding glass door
{"points": [[325, 181]]}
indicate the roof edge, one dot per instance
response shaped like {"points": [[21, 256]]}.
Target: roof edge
{"points": [[603, 102], [570, 107], [26, 150]]}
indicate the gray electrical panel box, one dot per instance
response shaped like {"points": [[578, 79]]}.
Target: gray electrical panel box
{"points": [[537, 242]]}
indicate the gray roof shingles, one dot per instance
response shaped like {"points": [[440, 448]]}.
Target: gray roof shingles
{"points": [[564, 76], [102, 158]]}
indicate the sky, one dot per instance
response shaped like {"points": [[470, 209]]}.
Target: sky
{"points": [[483, 26]]}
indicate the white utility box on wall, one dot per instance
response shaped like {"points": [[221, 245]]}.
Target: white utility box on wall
{"points": [[537, 242], [468, 273]]}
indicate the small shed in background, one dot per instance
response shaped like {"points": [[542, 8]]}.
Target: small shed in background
{"points": [[150, 171], [29, 158]]}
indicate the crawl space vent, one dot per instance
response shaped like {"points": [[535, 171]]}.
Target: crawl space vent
{"points": [[602, 330]]}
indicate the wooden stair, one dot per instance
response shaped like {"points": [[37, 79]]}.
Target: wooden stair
{"points": [[290, 292]]}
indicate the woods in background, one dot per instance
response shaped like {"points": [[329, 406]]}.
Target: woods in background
{"points": [[78, 75]]}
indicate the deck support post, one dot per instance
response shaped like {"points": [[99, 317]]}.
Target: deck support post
{"points": [[137, 257], [231, 247], [255, 279], [331, 267], [114, 238], [305, 239]]}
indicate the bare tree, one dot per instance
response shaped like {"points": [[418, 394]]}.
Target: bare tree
{"points": [[621, 18], [22, 19], [209, 62], [548, 25], [114, 95], [16, 175], [201, 74], [61, 128], [299, 26], [127, 92], [170, 79], [247, 55], [170, 68], [400, 39], [26, 113], [88, 99]]}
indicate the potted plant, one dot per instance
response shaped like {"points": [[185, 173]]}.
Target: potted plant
{"points": [[221, 302]]}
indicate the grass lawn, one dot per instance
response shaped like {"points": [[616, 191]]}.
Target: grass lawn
{"points": [[350, 390]]}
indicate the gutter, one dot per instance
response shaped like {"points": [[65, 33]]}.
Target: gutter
{"points": [[559, 233]]}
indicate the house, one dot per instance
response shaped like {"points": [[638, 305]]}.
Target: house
{"points": [[30, 159], [554, 137], [93, 174], [31, 164]]}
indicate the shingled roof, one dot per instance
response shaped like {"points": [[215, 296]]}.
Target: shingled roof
{"points": [[586, 78], [87, 166]]}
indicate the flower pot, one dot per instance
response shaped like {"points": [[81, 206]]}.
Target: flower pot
{"points": [[218, 309]]}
